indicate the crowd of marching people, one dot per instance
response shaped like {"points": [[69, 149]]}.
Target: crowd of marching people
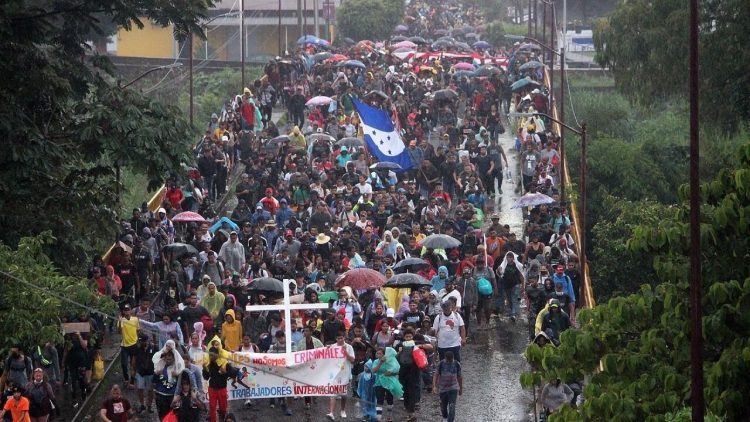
{"points": [[321, 200]]}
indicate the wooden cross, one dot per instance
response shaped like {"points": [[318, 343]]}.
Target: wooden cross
{"points": [[287, 307]]}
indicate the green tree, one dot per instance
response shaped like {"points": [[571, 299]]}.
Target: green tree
{"points": [[29, 315], [618, 270], [635, 350], [369, 19], [67, 126], [644, 43]]}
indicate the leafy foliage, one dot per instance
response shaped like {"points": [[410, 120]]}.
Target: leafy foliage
{"points": [[369, 19], [635, 349], [29, 315], [619, 270], [67, 126], [645, 44]]}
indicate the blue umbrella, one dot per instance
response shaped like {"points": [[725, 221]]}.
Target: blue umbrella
{"points": [[481, 44], [221, 222], [308, 39], [355, 63]]}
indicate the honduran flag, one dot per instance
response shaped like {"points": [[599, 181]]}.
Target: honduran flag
{"points": [[383, 141]]}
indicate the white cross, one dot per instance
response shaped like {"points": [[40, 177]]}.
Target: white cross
{"points": [[287, 307]]}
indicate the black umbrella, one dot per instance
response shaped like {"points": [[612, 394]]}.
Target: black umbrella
{"points": [[487, 70], [350, 142], [440, 32], [266, 285], [177, 250], [418, 40], [322, 56], [398, 38], [408, 280], [279, 140], [463, 46], [410, 265], [385, 165], [380, 94], [441, 44], [440, 241], [349, 40], [445, 94]]}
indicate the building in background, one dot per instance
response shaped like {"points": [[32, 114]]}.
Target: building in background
{"points": [[262, 34]]}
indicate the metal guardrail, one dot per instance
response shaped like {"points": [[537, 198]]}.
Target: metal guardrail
{"points": [[586, 287]]}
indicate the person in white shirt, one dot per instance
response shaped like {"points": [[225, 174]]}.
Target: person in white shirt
{"points": [[450, 330], [363, 186], [346, 371], [350, 306], [450, 292]]}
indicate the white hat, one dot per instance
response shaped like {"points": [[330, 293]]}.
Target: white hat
{"points": [[161, 210], [390, 313]]}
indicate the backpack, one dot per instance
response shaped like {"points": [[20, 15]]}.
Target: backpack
{"points": [[484, 286], [405, 357], [38, 398]]}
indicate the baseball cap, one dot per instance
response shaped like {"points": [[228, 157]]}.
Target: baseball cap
{"points": [[288, 232]]}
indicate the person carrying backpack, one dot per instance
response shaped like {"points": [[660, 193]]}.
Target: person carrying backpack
{"points": [[409, 374], [511, 276], [42, 401]]}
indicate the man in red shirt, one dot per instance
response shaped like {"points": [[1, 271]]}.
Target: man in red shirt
{"points": [[270, 202], [441, 195], [247, 110]]}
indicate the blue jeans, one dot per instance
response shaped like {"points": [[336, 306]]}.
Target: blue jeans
{"points": [[448, 404], [513, 296], [209, 182]]}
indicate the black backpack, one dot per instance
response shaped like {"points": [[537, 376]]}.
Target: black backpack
{"points": [[405, 357]]}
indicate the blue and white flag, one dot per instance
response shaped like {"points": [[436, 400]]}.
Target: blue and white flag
{"points": [[383, 141]]}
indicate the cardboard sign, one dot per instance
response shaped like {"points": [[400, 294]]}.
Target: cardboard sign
{"points": [[73, 327]]}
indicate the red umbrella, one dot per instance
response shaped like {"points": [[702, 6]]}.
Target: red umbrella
{"points": [[188, 217], [337, 58], [361, 278]]}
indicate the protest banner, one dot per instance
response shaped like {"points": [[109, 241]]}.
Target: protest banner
{"points": [[317, 372]]}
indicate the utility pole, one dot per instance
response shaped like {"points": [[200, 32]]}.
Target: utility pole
{"points": [[561, 106], [299, 18], [528, 31], [536, 18], [584, 195], [304, 20], [190, 64], [696, 314], [242, 41], [316, 18], [281, 52]]}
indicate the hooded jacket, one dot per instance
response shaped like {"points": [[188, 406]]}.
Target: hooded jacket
{"points": [[231, 333]]}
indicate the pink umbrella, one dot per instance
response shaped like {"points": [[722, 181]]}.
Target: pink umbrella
{"points": [[318, 101], [404, 44], [463, 66], [188, 217]]}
